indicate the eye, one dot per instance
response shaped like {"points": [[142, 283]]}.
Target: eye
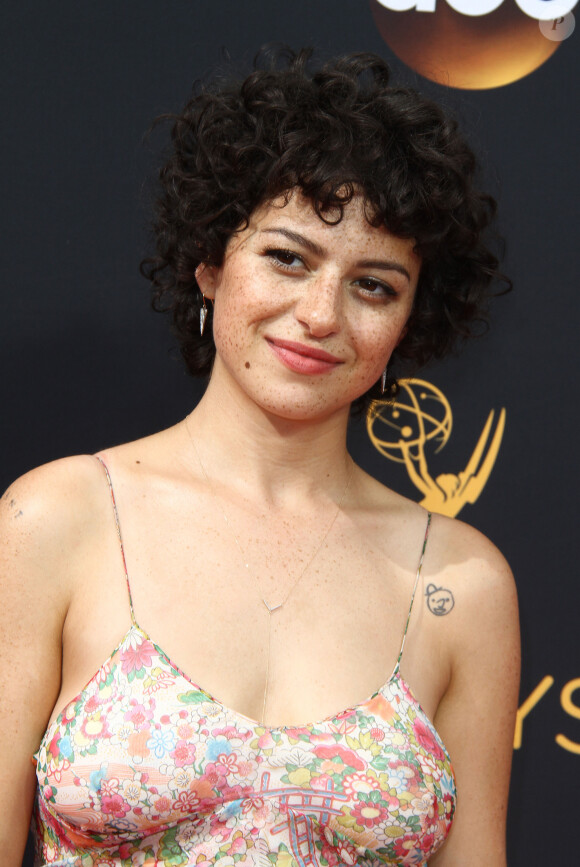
{"points": [[285, 259], [376, 288]]}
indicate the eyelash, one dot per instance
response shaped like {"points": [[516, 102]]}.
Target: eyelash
{"points": [[274, 253], [388, 291]]}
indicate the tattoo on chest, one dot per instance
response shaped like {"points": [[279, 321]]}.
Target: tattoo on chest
{"points": [[440, 601]]}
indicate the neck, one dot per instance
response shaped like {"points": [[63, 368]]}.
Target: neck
{"points": [[278, 460]]}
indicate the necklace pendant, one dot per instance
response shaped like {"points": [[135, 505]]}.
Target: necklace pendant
{"points": [[272, 608]]}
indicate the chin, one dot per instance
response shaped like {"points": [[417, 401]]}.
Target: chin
{"points": [[300, 401], [307, 407]]}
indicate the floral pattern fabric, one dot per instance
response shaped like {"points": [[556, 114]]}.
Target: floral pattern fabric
{"points": [[145, 768]]}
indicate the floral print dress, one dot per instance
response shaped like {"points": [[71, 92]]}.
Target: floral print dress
{"points": [[145, 768]]}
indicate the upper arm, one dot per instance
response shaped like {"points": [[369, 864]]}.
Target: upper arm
{"points": [[476, 716], [35, 531]]}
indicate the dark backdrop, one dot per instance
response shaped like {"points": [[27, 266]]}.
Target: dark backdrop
{"points": [[86, 365]]}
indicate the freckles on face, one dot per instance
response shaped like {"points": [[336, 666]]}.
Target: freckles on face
{"points": [[307, 313]]}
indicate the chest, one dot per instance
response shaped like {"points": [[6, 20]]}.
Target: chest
{"points": [[143, 749], [329, 634], [323, 649]]}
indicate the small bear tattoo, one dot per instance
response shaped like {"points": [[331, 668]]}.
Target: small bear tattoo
{"points": [[440, 601]]}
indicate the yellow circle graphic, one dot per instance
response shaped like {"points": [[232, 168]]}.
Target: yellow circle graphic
{"points": [[470, 52]]}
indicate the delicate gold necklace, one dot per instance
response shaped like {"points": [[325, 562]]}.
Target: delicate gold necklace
{"points": [[271, 609]]}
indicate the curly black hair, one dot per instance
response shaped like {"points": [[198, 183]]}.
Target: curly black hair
{"points": [[330, 132]]}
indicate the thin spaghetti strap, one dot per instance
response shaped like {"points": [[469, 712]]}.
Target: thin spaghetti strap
{"points": [[416, 584], [118, 526]]}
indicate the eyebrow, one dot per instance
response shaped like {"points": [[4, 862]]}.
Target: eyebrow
{"points": [[385, 265], [296, 238]]}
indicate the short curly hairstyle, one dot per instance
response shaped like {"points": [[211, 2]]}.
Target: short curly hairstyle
{"points": [[330, 132]]}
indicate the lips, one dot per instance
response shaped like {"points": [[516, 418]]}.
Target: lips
{"points": [[302, 358]]}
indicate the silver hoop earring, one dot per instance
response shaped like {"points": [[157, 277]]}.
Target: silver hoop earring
{"points": [[384, 380], [202, 315]]}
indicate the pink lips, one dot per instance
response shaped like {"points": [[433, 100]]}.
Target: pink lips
{"points": [[302, 358]]}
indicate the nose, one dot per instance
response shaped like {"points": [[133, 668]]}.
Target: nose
{"points": [[319, 307]]}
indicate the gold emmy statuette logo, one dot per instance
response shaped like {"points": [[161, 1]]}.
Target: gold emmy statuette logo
{"points": [[421, 415]]}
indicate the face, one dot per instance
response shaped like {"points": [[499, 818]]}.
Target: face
{"points": [[307, 314]]}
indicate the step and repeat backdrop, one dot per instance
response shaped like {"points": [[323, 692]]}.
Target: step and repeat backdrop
{"points": [[490, 435]]}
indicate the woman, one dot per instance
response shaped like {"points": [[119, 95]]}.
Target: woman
{"points": [[312, 229]]}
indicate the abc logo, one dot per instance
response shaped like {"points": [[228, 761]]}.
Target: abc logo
{"points": [[471, 44]]}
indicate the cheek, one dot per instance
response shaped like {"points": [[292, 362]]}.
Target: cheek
{"points": [[228, 312], [241, 311], [375, 342], [238, 314]]}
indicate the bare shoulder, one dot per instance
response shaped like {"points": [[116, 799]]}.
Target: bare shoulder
{"points": [[50, 494], [47, 519], [44, 516], [470, 562], [60, 506], [470, 602], [463, 571], [52, 481], [51, 515]]}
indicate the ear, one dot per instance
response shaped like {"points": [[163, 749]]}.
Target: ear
{"points": [[206, 276]]}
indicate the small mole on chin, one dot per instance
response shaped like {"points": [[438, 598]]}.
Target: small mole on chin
{"points": [[248, 365]]}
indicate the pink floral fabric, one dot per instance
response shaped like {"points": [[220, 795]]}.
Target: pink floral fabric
{"points": [[145, 768]]}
